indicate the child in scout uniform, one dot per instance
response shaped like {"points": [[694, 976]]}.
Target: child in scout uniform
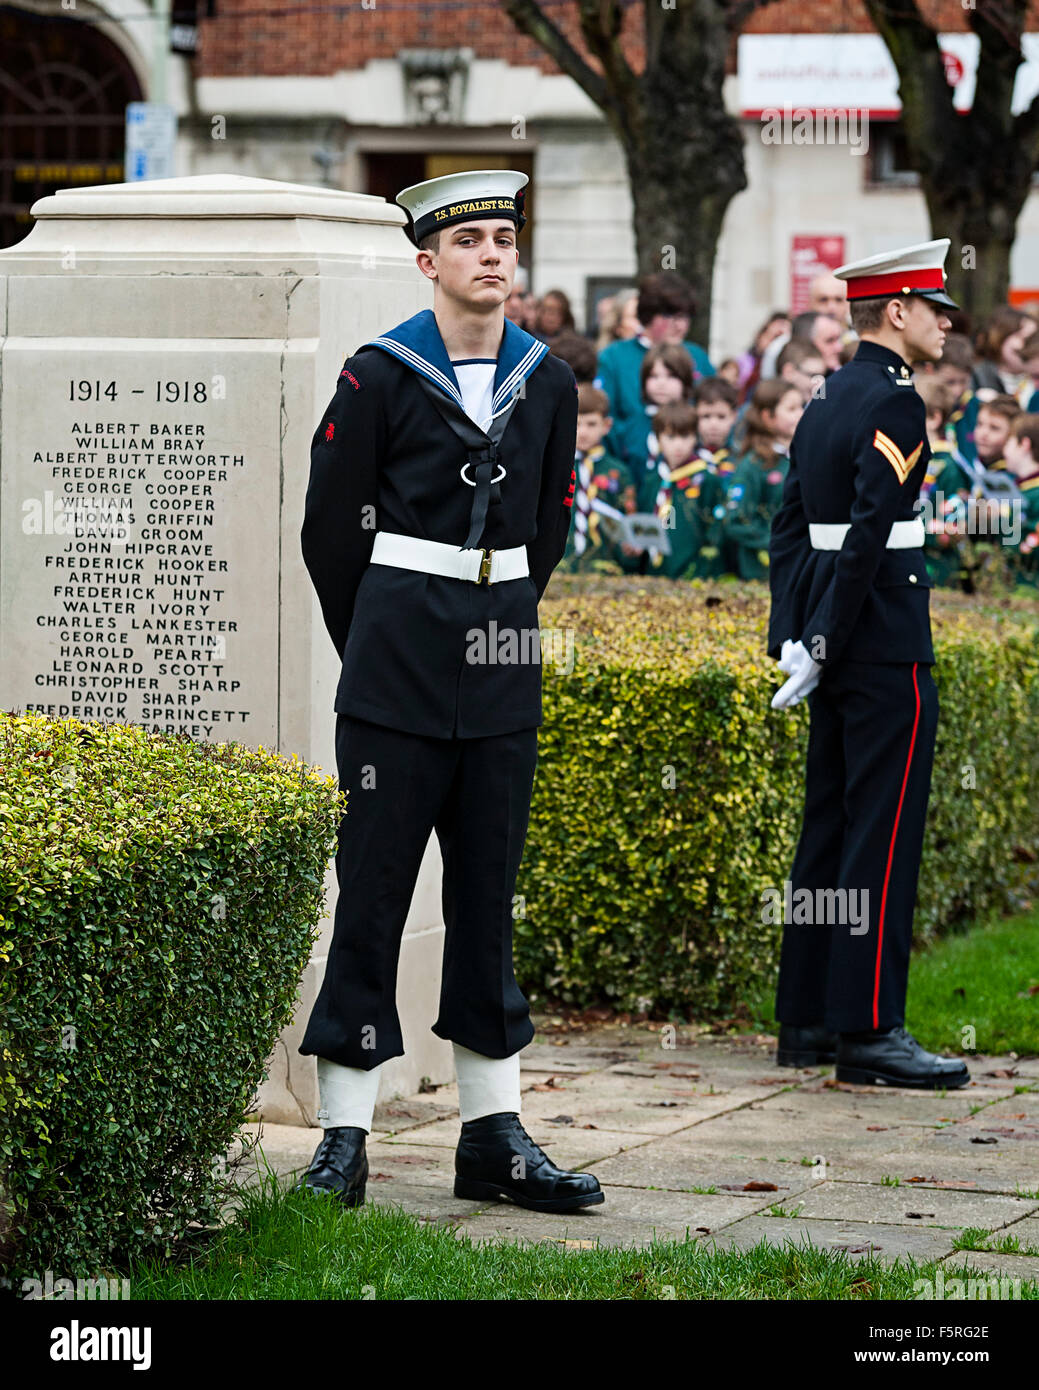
{"points": [[666, 376], [603, 484], [850, 626], [716, 402], [1022, 458], [956, 373], [681, 491], [754, 489], [440, 495], [942, 492], [986, 519], [991, 429]]}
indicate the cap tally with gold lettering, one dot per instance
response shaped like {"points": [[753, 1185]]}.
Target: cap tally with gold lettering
{"points": [[464, 197], [910, 270]]}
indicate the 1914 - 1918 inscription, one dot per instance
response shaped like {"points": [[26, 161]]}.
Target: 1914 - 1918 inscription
{"points": [[141, 543]]}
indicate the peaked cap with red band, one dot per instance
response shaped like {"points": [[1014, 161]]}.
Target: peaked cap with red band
{"points": [[464, 197], [910, 270]]}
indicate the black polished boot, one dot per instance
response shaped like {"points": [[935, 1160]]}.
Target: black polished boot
{"points": [[339, 1167], [809, 1045], [895, 1058], [496, 1160]]}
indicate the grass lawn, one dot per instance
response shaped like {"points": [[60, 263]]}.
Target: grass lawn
{"points": [[980, 979], [287, 1245]]}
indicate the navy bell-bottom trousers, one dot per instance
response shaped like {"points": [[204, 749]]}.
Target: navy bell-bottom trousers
{"points": [[475, 793]]}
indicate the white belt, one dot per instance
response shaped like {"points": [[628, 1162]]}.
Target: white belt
{"points": [[436, 557], [829, 535]]}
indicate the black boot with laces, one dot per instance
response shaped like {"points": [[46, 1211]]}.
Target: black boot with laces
{"points": [[496, 1160], [340, 1166]]}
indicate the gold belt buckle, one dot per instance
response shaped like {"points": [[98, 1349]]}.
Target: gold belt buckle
{"points": [[485, 567]]}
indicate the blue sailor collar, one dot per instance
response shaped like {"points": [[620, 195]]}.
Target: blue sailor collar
{"points": [[417, 343]]}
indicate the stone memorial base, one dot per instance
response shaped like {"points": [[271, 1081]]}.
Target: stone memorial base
{"points": [[166, 351]]}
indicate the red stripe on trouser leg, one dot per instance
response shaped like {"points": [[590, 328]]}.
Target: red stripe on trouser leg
{"points": [[891, 855]]}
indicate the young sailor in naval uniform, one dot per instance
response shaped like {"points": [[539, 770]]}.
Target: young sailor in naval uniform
{"points": [[440, 499], [850, 624]]}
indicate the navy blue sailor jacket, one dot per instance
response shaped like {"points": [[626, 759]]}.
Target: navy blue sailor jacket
{"points": [[384, 458], [859, 455]]}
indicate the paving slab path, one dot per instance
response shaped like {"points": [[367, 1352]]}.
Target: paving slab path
{"points": [[704, 1138]]}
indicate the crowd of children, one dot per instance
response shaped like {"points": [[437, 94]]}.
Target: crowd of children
{"points": [[979, 501], [676, 460], [712, 469]]}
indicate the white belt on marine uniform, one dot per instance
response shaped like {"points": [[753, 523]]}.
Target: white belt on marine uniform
{"points": [[436, 557], [829, 535]]}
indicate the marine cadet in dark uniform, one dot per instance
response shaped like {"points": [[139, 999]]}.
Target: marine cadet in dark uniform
{"points": [[850, 624], [440, 497]]}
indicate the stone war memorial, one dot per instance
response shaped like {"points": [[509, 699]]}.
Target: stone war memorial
{"points": [[166, 350]]}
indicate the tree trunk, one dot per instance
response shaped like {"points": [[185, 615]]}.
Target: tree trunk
{"points": [[683, 151], [669, 236], [685, 165], [975, 168], [978, 264]]}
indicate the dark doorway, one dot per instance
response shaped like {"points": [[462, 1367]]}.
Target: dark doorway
{"points": [[64, 88]]}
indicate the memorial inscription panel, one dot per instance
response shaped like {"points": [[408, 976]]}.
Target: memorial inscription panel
{"points": [[140, 534]]}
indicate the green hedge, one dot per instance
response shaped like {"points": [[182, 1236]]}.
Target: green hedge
{"points": [[668, 794], [158, 902]]}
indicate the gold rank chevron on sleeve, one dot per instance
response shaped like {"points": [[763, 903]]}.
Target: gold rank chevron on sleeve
{"points": [[901, 463]]}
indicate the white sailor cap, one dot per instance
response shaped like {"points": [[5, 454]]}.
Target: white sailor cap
{"points": [[462, 198], [910, 270]]}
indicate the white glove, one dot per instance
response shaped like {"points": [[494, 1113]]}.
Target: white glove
{"points": [[785, 653], [804, 675]]}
